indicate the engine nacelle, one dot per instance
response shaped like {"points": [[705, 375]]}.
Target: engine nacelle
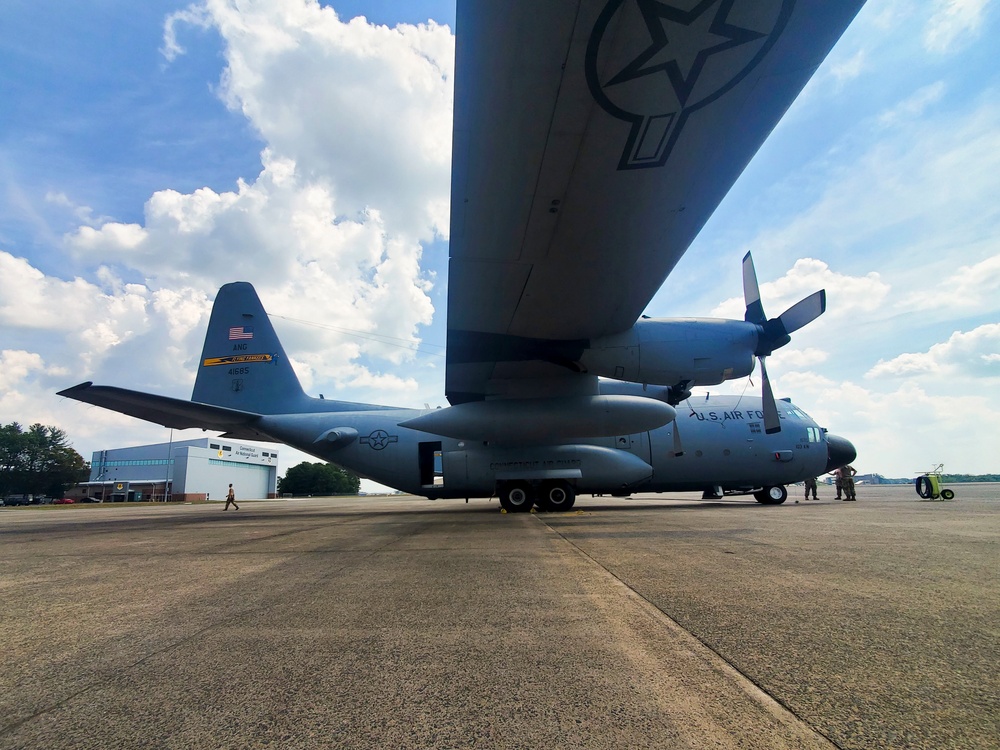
{"points": [[544, 419], [704, 351]]}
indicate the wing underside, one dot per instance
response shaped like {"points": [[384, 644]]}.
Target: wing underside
{"points": [[592, 141]]}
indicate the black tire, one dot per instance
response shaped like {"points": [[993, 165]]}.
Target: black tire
{"points": [[516, 497], [948, 494], [775, 495], [924, 488], [556, 496]]}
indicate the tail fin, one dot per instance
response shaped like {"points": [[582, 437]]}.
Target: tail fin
{"points": [[243, 365]]}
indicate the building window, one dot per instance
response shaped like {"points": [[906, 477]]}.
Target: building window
{"points": [[237, 464]]}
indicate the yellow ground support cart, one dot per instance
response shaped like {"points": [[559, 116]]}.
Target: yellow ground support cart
{"points": [[929, 485]]}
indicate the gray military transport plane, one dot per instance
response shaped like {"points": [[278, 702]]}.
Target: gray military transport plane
{"points": [[592, 141]]}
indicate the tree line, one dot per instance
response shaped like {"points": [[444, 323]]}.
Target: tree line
{"points": [[967, 478], [38, 461], [318, 479]]}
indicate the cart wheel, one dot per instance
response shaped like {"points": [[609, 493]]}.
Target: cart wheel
{"points": [[948, 494]]}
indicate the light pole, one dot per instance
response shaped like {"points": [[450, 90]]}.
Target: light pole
{"points": [[166, 481]]}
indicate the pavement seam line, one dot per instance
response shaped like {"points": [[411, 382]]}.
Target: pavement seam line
{"points": [[754, 691]]}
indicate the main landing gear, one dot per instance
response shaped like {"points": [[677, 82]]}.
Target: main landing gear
{"points": [[775, 495], [555, 495]]}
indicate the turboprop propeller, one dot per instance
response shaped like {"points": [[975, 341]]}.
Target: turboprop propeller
{"points": [[775, 332]]}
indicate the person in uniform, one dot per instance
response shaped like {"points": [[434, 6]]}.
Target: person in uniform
{"points": [[838, 480], [231, 498], [847, 478], [811, 487]]}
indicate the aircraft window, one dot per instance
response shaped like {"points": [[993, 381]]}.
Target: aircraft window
{"points": [[214, 446]]}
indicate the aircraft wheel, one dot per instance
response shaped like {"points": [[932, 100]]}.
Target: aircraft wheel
{"points": [[948, 494], [557, 496], [516, 497], [775, 495]]}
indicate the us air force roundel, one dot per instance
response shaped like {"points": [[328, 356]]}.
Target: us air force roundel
{"points": [[378, 440], [653, 63]]}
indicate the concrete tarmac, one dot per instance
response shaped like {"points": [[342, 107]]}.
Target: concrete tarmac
{"points": [[659, 622]]}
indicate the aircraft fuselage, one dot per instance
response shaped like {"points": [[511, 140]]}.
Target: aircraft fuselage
{"points": [[722, 445]]}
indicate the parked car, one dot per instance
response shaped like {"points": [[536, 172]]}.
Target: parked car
{"points": [[88, 500], [63, 501]]}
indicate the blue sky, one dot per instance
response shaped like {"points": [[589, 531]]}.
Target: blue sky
{"points": [[308, 155]]}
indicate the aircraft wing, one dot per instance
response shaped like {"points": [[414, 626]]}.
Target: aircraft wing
{"points": [[592, 141], [169, 412]]}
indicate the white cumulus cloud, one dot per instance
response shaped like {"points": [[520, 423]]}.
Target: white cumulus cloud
{"points": [[973, 354], [846, 295], [355, 177]]}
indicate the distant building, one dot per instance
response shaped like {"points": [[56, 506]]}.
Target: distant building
{"points": [[188, 470]]}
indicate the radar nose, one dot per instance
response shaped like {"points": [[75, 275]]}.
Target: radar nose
{"points": [[839, 451]]}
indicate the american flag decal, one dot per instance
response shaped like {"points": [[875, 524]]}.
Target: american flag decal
{"points": [[240, 332]]}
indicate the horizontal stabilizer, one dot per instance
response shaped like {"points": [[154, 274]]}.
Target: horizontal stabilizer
{"points": [[169, 412]]}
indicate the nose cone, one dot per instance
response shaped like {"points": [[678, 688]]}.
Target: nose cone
{"points": [[839, 451]]}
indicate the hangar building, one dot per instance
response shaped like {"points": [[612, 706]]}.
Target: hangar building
{"points": [[188, 470]]}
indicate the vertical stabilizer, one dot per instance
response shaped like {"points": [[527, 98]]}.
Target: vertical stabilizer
{"points": [[243, 365]]}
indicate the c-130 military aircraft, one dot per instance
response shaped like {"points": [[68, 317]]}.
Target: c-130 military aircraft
{"points": [[592, 141]]}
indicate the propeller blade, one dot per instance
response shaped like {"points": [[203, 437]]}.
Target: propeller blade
{"points": [[803, 312], [772, 423], [678, 448], [774, 333], [751, 293]]}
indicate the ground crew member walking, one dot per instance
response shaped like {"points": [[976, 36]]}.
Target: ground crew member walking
{"points": [[231, 498]]}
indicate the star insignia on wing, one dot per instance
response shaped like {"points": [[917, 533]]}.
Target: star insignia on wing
{"points": [[682, 41]]}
